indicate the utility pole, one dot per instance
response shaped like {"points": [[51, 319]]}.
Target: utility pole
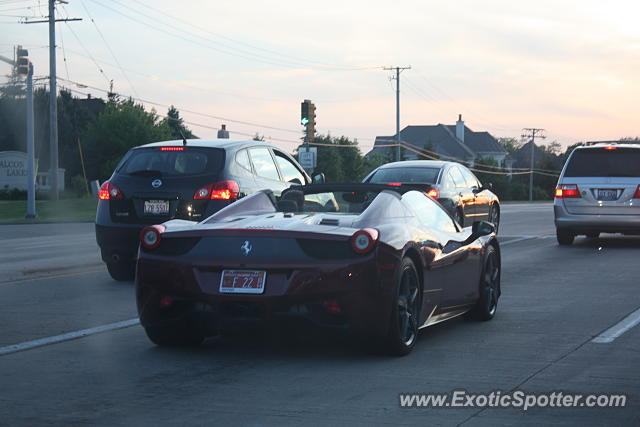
{"points": [[53, 95], [532, 133], [31, 156], [53, 104], [397, 79]]}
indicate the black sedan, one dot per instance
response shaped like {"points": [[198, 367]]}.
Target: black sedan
{"points": [[452, 184], [377, 260]]}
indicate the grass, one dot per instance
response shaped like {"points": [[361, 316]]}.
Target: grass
{"points": [[84, 209]]}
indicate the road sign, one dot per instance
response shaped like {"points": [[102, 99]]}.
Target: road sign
{"points": [[307, 157]]}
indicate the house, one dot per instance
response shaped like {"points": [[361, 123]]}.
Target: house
{"points": [[449, 142]]}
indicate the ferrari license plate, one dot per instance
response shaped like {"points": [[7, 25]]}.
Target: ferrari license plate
{"points": [[242, 281], [156, 207], [607, 194]]}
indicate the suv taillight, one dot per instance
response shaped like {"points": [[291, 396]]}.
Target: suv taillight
{"points": [[109, 191], [567, 191], [637, 193], [223, 190]]}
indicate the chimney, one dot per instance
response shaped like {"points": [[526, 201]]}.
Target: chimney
{"points": [[460, 128], [223, 133]]}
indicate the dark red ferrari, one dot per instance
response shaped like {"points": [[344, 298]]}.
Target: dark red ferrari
{"points": [[377, 260]]}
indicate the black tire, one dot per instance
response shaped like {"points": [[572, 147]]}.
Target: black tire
{"points": [[178, 333], [494, 216], [458, 216], [122, 271], [593, 235], [487, 304], [565, 237], [404, 322]]}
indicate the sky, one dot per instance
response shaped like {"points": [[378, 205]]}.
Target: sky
{"points": [[570, 67]]}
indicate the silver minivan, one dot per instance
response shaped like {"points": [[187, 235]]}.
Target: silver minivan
{"points": [[598, 192]]}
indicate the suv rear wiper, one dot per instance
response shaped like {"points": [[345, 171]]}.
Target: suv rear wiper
{"points": [[150, 172]]}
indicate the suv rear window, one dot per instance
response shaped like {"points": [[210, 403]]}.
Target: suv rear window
{"points": [[405, 175], [604, 162], [173, 161]]}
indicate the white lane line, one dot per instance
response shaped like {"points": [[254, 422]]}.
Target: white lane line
{"points": [[520, 239], [619, 328], [66, 337]]}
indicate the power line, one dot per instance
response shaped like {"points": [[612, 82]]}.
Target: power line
{"points": [[251, 46], [171, 29], [113, 55], [88, 53]]}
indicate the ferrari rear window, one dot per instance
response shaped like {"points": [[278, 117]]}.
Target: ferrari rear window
{"points": [[340, 202], [604, 162], [405, 175], [173, 161]]}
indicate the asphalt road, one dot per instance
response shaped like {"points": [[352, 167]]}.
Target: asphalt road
{"points": [[555, 301]]}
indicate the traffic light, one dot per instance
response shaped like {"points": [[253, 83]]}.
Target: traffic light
{"points": [[311, 128], [308, 118], [22, 61], [304, 114]]}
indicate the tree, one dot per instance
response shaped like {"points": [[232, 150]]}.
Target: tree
{"points": [[341, 161], [121, 126], [510, 144], [176, 124]]}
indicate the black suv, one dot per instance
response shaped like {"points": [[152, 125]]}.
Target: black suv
{"points": [[188, 180]]}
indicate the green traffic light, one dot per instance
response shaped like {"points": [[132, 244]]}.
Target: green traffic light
{"points": [[304, 121]]}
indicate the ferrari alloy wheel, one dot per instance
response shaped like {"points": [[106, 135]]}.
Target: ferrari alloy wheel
{"points": [[403, 330], [494, 216], [487, 303], [121, 271], [565, 237]]}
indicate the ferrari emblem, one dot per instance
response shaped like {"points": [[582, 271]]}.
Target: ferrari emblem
{"points": [[246, 247]]}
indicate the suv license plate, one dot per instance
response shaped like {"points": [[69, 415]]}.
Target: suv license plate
{"points": [[242, 281], [156, 207], [607, 194]]}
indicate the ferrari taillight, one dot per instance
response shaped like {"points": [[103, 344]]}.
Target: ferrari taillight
{"points": [[109, 191], [363, 241], [223, 190], [567, 191], [150, 236]]}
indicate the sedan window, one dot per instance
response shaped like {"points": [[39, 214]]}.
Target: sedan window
{"points": [[405, 175], [428, 212], [470, 178]]}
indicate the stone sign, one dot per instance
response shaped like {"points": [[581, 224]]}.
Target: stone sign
{"points": [[13, 170]]}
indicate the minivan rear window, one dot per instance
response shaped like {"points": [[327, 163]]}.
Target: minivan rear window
{"points": [[405, 175], [173, 161], [603, 162]]}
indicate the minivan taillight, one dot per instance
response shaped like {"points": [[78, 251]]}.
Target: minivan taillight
{"points": [[109, 191], [223, 190], [567, 191], [637, 193]]}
